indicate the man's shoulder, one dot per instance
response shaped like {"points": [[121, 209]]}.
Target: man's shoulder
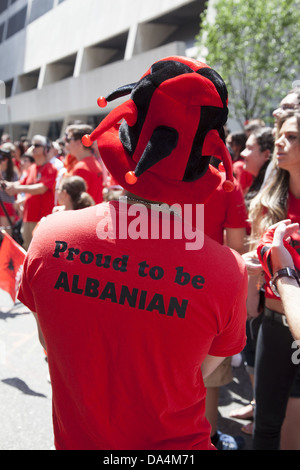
{"points": [[62, 222], [223, 251], [222, 260], [47, 168]]}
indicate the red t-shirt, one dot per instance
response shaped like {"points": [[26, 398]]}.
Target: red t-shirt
{"points": [[293, 214], [69, 163], [112, 182], [224, 210], [128, 323], [244, 178], [90, 170], [39, 205]]}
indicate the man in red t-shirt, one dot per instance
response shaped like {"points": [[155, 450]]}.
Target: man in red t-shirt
{"points": [[130, 297], [38, 187], [226, 217], [86, 166]]}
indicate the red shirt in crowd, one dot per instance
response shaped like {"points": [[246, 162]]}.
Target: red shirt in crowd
{"points": [[224, 210], [244, 178], [293, 214], [90, 170], [39, 205]]}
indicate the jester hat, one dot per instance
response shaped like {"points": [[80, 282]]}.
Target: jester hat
{"points": [[170, 127]]}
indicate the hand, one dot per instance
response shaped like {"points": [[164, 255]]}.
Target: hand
{"points": [[279, 246], [252, 262], [19, 207], [10, 188], [58, 209], [281, 258]]}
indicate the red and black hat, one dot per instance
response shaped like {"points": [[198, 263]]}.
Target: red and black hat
{"points": [[171, 126]]}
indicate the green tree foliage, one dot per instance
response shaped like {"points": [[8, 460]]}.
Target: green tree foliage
{"points": [[255, 46]]}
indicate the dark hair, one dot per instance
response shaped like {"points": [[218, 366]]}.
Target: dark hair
{"points": [[239, 138], [29, 156], [10, 164], [20, 145], [265, 140], [79, 130], [76, 188]]}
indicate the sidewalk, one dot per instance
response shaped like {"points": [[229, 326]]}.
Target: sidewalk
{"points": [[234, 395]]}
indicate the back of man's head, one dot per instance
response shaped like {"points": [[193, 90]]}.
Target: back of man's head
{"points": [[78, 130]]}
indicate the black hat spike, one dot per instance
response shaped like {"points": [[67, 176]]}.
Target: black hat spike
{"points": [[118, 93]]}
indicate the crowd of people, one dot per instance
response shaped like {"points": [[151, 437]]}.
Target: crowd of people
{"points": [[266, 167], [40, 177], [272, 196], [36, 178]]}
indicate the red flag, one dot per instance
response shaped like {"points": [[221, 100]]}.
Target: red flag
{"points": [[12, 256]]}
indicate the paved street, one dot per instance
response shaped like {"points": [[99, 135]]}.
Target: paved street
{"points": [[25, 404]]}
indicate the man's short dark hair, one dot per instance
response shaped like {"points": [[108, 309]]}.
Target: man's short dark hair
{"points": [[79, 130]]}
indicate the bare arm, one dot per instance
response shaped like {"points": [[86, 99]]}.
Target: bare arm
{"points": [[41, 336], [209, 364], [289, 291], [235, 239], [33, 189]]}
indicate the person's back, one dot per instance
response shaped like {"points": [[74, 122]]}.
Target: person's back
{"points": [[90, 170], [133, 321], [133, 317]]}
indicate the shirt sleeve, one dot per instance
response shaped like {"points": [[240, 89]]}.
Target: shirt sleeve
{"points": [[232, 337], [85, 174], [25, 292], [23, 180], [236, 214], [48, 177]]}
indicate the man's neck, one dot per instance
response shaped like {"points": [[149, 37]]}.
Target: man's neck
{"points": [[40, 161], [82, 155], [134, 197]]}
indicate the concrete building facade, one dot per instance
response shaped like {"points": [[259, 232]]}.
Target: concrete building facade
{"points": [[58, 56]]}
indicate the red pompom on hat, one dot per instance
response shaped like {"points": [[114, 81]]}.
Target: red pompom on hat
{"points": [[171, 126]]}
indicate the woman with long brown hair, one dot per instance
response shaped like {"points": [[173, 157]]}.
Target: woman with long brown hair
{"points": [[275, 371]]}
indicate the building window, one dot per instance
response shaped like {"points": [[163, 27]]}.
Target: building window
{"points": [[3, 5], [27, 81], [1, 31], [39, 8], [8, 88], [16, 22]]}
